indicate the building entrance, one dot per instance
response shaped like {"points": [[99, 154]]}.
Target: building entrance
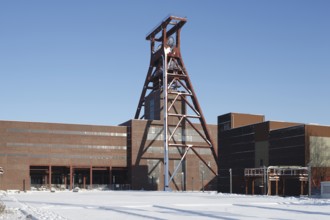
{"points": [[59, 177]]}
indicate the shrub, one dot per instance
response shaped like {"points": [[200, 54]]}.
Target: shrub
{"points": [[2, 207]]}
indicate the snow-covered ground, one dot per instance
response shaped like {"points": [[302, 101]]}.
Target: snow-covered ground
{"points": [[159, 205]]}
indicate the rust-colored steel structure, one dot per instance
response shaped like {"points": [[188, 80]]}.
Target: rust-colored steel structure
{"points": [[168, 77]]}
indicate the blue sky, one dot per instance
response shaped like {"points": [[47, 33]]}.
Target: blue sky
{"points": [[85, 62]]}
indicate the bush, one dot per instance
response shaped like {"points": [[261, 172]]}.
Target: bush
{"points": [[2, 207]]}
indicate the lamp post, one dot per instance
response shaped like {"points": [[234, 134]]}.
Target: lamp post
{"points": [[265, 180], [309, 179], [182, 181], [203, 180], [230, 179]]}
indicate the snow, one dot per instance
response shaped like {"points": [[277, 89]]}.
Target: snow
{"points": [[159, 205]]}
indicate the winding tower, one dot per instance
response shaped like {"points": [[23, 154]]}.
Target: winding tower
{"points": [[168, 95]]}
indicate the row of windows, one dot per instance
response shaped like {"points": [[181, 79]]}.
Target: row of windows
{"points": [[154, 171], [191, 135], [158, 129], [93, 133], [64, 156], [100, 147], [173, 150]]}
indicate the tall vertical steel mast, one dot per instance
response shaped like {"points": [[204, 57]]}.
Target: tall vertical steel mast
{"points": [[184, 124]]}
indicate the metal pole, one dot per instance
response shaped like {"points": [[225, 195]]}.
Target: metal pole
{"points": [[166, 175], [71, 178], [265, 180], [203, 180], [309, 180], [231, 182], [182, 181], [114, 182]]}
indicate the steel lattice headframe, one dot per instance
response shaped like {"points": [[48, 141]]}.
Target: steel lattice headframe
{"points": [[168, 76]]}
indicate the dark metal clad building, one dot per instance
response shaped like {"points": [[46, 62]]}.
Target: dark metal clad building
{"points": [[247, 141]]}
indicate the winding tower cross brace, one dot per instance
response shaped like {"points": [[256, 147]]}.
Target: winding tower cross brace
{"points": [[168, 77]]}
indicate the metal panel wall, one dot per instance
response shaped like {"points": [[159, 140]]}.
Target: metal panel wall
{"points": [[287, 146]]}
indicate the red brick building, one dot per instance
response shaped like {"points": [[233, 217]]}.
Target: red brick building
{"points": [[129, 156]]}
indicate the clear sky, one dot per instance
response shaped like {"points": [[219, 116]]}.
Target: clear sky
{"points": [[85, 62]]}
